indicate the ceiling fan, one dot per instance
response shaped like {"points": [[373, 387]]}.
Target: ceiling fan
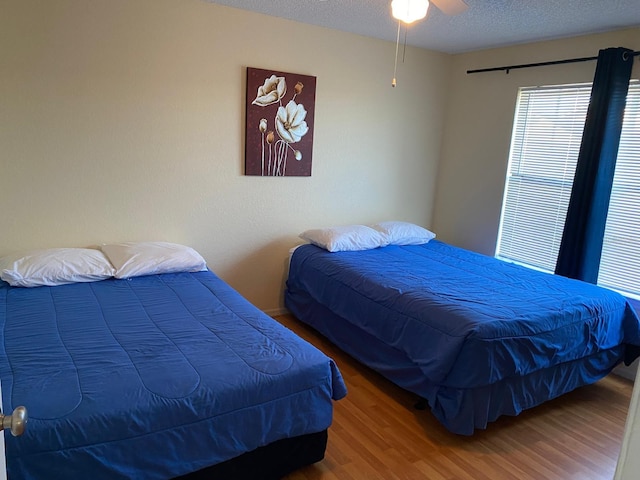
{"points": [[409, 11]]}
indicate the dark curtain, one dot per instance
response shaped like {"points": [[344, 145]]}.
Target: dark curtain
{"points": [[581, 246]]}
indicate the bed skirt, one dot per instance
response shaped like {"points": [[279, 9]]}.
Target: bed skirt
{"points": [[460, 410]]}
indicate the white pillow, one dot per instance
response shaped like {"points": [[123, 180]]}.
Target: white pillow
{"points": [[345, 238], [404, 233], [55, 266], [134, 259]]}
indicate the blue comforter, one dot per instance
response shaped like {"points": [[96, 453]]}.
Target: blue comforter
{"points": [[152, 377], [465, 319]]}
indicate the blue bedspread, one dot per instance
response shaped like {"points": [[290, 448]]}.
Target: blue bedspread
{"points": [[152, 377], [465, 320]]}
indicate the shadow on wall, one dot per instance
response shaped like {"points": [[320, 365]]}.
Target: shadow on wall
{"points": [[255, 274]]}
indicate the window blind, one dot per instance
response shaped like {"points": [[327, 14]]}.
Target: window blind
{"points": [[620, 262], [544, 150], [545, 143]]}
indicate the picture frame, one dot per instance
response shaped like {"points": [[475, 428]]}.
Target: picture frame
{"points": [[280, 111]]}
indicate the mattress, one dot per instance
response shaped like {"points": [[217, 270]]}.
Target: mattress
{"points": [[152, 377], [448, 323]]}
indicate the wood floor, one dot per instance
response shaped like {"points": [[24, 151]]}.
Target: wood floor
{"points": [[377, 434]]}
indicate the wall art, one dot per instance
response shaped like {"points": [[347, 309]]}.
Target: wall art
{"points": [[279, 123]]}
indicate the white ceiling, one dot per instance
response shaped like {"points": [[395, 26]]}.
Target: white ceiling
{"points": [[485, 24]]}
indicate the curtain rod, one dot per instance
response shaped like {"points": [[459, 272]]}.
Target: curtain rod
{"points": [[541, 64]]}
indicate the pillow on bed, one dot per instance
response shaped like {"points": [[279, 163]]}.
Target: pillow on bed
{"points": [[345, 238], [134, 259], [55, 266], [404, 233]]}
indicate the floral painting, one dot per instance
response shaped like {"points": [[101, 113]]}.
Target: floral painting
{"points": [[279, 125]]}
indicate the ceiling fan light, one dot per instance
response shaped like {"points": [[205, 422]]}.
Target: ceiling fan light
{"points": [[409, 11]]}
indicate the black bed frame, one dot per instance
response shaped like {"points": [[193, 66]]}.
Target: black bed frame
{"points": [[270, 462]]}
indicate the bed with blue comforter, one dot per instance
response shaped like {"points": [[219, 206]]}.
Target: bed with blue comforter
{"points": [[475, 336], [152, 377]]}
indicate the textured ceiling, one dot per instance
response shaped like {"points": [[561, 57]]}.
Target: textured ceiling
{"points": [[485, 24]]}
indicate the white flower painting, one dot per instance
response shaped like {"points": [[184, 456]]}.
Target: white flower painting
{"points": [[279, 127]]}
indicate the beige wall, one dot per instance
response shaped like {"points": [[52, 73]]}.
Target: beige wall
{"points": [[477, 131], [123, 120]]}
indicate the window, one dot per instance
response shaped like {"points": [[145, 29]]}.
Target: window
{"points": [[544, 151]]}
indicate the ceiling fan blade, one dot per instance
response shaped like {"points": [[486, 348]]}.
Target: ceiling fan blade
{"points": [[451, 7]]}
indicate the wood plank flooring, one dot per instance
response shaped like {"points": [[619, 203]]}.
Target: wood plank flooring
{"points": [[377, 434]]}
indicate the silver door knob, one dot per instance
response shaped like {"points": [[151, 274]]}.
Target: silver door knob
{"points": [[16, 422]]}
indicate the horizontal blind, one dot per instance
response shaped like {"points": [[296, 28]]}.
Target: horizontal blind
{"points": [[544, 151], [545, 143], [620, 262]]}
